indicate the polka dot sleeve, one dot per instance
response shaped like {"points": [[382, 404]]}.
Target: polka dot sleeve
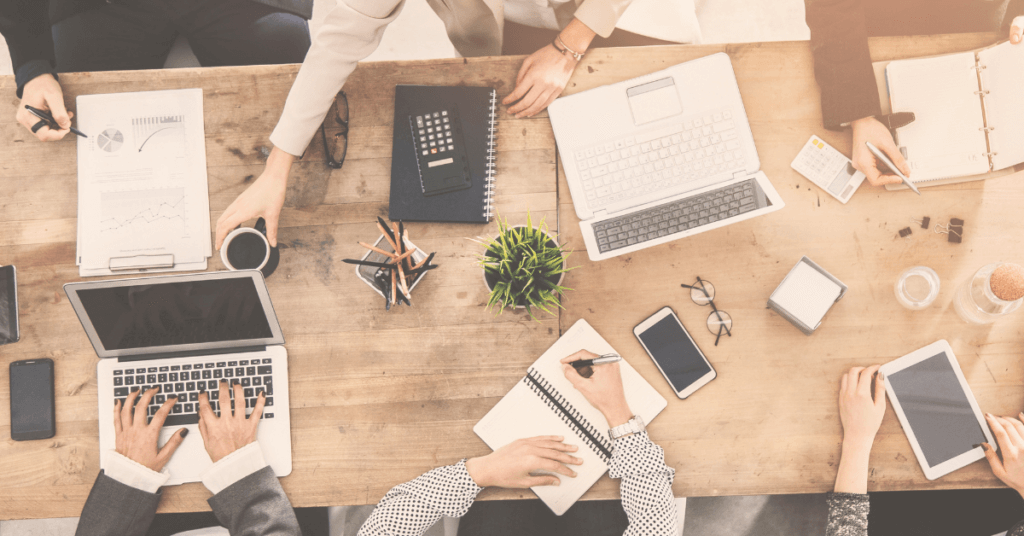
{"points": [[646, 486], [411, 508]]}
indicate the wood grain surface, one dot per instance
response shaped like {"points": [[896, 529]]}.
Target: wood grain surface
{"points": [[378, 398]]}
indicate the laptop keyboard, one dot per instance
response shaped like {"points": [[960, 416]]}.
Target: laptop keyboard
{"points": [[187, 381], [699, 147], [677, 216]]}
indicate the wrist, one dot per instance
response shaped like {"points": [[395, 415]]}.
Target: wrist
{"points": [[862, 122], [857, 447], [618, 415], [279, 163], [476, 467]]}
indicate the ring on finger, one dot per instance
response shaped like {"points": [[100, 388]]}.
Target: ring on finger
{"points": [[39, 125]]}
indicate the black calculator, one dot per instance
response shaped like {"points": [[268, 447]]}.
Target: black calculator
{"points": [[440, 151]]}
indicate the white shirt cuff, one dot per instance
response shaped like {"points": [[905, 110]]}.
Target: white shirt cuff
{"points": [[132, 473], [234, 467]]}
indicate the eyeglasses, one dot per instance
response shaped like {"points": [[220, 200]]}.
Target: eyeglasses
{"points": [[703, 293], [334, 151]]}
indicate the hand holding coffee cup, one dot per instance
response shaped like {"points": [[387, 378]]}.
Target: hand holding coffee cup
{"points": [[247, 248]]}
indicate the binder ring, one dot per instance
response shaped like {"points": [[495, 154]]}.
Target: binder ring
{"points": [[987, 129], [983, 92], [989, 154]]}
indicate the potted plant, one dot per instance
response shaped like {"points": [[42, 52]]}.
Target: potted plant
{"points": [[523, 267]]}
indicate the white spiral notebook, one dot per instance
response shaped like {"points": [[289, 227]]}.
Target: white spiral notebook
{"points": [[969, 114], [545, 403]]}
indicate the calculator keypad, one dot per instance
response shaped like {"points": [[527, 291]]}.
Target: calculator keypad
{"points": [[434, 133]]}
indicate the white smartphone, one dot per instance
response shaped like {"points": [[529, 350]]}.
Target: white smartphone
{"points": [[674, 352]]}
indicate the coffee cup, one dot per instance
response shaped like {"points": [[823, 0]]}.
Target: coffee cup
{"points": [[247, 248]]}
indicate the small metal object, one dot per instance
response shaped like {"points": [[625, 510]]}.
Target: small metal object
{"points": [[924, 222], [954, 230]]}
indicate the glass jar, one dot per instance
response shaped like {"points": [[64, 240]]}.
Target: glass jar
{"points": [[975, 302], [917, 287]]}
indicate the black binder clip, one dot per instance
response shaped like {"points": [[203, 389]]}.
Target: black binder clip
{"points": [[923, 221], [905, 232], [955, 230]]}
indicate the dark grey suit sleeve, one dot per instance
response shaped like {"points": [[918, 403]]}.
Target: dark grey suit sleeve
{"points": [[115, 509], [256, 506]]}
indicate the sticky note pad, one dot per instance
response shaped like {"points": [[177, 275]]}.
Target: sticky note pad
{"points": [[806, 294]]}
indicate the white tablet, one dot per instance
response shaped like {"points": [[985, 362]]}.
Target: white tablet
{"points": [[936, 409]]}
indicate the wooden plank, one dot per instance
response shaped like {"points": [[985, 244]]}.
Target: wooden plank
{"points": [[377, 397], [769, 422]]}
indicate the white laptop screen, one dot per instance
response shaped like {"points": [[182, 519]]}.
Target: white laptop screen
{"points": [[153, 315]]}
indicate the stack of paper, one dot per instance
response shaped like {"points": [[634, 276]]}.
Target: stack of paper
{"points": [[143, 201]]}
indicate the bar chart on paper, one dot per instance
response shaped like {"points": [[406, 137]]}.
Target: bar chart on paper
{"points": [[164, 135]]}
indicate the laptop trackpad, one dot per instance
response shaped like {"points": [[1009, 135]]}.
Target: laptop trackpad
{"points": [[654, 100]]}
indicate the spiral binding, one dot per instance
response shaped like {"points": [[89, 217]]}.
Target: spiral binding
{"points": [[568, 414], [492, 135]]}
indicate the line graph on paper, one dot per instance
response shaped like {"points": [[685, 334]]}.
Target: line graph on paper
{"points": [[142, 214], [160, 135]]}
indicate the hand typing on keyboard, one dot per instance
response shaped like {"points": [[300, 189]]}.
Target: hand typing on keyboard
{"points": [[136, 439], [230, 431]]}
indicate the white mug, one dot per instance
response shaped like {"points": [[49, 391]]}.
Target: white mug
{"points": [[231, 236]]}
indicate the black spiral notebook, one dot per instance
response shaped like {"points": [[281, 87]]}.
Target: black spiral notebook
{"points": [[442, 155], [545, 403]]}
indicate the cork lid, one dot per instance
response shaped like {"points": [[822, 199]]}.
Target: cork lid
{"points": [[1008, 282]]}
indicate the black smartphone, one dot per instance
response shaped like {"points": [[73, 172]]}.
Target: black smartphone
{"points": [[674, 352], [9, 331], [33, 415]]}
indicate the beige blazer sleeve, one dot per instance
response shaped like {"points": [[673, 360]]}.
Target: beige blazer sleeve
{"points": [[601, 15], [351, 31]]}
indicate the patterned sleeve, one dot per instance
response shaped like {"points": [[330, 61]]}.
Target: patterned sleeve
{"points": [[646, 486], [411, 508], [1017, 530], [847, 514]]}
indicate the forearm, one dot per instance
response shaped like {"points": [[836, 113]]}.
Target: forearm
{"points": [[256, 506], [646, 486], [577, 36], [25, 26], [350, 32], [116, 509], [842, 61], [413, 507], [600, 16], [852, 476]]}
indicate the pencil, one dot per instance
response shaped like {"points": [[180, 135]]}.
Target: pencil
{"points": [[387, 236], [394, 281], [378, 250], [424, 261], [402, 257]]}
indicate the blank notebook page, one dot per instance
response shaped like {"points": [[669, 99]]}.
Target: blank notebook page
{"points": [[1003, 77], [945, 139], [807, 294]]}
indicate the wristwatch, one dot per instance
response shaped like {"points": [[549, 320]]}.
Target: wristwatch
{"points": [[632, 426]]}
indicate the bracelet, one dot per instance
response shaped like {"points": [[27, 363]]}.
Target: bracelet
{"points": [[565, 48]]}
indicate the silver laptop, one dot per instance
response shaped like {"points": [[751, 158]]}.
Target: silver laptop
{"points": [[660, 157], [186, 333]]}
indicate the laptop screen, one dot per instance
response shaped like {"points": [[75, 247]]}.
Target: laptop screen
{"points": [[150, 314]]}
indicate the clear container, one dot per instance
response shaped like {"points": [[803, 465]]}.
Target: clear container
{"points": [[917, 287], [975, 302]]}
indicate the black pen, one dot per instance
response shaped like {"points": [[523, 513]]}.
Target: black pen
{"points": [[45, 116], [367, 263], [600, 360]]}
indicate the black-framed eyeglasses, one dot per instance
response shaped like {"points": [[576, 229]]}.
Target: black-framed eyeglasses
{"points": [[703, 293], [337, 118]]}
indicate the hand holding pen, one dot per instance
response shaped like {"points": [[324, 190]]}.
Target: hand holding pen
{"points": [[44, 94], [602, 387]]}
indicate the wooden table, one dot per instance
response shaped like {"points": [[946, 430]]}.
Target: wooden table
{"points": [[378, 398]]}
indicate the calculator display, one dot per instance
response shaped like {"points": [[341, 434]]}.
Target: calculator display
{"points": [[440, 153]]}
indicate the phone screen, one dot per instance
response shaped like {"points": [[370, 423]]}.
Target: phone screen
{"points": [[671, 347], [8, 306], [32, 412]]}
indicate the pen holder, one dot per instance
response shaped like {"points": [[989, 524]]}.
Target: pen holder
{"points": [[368, 273]]}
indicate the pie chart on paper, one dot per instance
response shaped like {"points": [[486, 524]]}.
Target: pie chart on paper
{"points": [[110, 140]]}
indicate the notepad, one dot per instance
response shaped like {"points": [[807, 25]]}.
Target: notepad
{"points": [[969, 116], [806, 294], [545, 403]]}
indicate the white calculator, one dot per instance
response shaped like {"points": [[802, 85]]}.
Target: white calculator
{"points": [[826, 167]]}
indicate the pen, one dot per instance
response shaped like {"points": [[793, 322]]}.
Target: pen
{"points": [[45, 116], [367, 263], [892, 167], [600, 360]]}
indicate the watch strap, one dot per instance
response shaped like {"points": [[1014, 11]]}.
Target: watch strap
{"points": [[632, 426]]}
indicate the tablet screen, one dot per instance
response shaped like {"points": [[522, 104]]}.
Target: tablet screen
{"points": [[937, 409]]}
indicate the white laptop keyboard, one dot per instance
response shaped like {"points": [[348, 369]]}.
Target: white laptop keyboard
{"points": [[696, 148]]}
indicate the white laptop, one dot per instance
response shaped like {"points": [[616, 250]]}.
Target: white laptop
{"points": [[186, 333], [660, 157]]}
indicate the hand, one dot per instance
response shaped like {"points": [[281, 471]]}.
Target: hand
{"points": [[871, 129], [1017, 30], [602, 388], [232, 430], [43, 92], [541, 80], [1009, 434], [512, 466], [861, 414], [135, 439], [265, 198]]}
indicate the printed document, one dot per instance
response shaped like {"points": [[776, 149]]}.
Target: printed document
{"points": [[143, 201]]}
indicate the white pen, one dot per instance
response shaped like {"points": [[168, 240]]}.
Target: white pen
{"points": [[892, 167]]}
